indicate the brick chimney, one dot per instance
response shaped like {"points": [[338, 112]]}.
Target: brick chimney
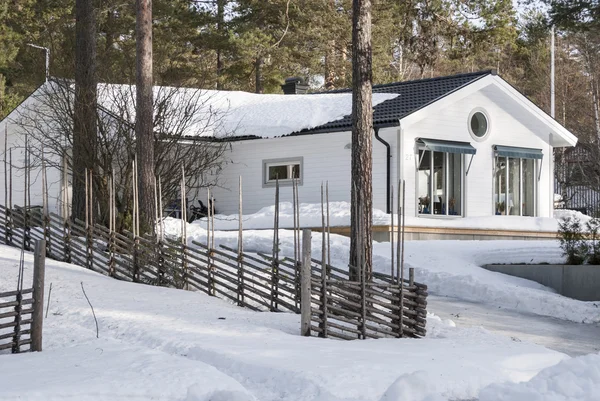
{"points": [[294, 86]]}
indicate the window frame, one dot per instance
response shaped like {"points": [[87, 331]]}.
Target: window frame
{"points": [[288, 161], [445, 183], [487, 119], [506, 177]]}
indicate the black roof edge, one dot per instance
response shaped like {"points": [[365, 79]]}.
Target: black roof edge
{"points": [[491, 71]]}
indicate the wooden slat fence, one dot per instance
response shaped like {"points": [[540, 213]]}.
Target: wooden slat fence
{"points": [[16, 309], [344, 309]]}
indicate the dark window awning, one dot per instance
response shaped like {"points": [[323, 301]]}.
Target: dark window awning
{"points": [[438, 145], [520, 153]]}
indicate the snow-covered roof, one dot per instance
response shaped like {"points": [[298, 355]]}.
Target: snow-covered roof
{"points": [[224, 114]]}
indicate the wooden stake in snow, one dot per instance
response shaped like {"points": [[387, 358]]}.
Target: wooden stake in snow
{"points": [[305, 277], [37, 317]]}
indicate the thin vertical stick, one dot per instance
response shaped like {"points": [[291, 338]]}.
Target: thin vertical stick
{"points": [[64, 188], [10, 165], [154, 228], [133, 193], [392, 231], [87, 194], [298, 212], [275, 261], [6, 205], [5, 166], [110, 205], [323, 266], [403, 227], [399, 232], [44, 187], [323, 235], [183, 227], [328, 226], [91, 198], [111, 227], [160, 209], [183, 204], [240, 218], [209, 289], [240, 249], [28, 170], [114, 199], [212, 223], [296, 256], [400, 255], [208, 208], [137, 200], [10, 202]]}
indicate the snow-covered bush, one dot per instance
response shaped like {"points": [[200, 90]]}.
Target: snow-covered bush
{"points": [[593, 248], [571, 237]]}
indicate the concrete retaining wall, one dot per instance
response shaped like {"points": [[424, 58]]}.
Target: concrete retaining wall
{"points": [[578, 282]]}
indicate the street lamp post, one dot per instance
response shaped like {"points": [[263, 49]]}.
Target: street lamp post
{"points": [[47, 50]]}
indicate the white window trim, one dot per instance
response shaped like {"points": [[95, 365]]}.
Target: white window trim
{"points": [[536, 174], [432, 184], [281, 162], [489, 124]]}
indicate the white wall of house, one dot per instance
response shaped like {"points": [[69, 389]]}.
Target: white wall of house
{"points": [[15, 140], [507, 127], [325, 158]]}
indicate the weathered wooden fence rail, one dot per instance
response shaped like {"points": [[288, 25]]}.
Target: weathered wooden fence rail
{"points": [[21, 311], [381, 307]]}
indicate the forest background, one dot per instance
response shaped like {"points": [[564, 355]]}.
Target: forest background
{"points": [[253, 45]]}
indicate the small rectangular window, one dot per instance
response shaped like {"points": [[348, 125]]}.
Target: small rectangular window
{"points": [[284, 170]]}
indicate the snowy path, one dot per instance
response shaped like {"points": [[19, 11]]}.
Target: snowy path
{"points": [[573, 339]]}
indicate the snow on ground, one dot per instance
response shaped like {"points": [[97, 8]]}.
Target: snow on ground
{"points": [[570, 380], [167, 344], [310, 216], [449, 268]]}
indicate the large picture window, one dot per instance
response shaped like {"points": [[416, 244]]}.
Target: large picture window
{"points": [[440, 180], [284, 170], [515, 181]]}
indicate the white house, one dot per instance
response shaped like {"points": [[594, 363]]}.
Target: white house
{"points": [[467, 146]]}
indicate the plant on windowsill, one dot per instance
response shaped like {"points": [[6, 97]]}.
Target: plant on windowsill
{"points": [[452, 203], [424, 202]]}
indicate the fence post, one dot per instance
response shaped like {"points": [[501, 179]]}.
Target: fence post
{"points": [[37, 317], [67, 241], [305, 283]]}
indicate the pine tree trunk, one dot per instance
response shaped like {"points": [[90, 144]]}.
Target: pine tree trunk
{"points": [[144, 125], [84, 113], [258, 75], [362, 126], [220, 32]]}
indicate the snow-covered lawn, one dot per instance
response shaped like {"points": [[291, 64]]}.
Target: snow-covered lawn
{"points": [[166, 344], [339, 216]]}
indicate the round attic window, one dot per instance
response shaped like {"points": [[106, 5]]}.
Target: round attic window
{"points": [[478, 124]]}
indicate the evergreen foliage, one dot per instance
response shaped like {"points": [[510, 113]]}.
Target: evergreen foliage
{"points": [[571, 237]]}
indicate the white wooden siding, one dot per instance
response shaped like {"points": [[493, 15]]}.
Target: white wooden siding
{"points": [[450, 123], [16, 141], [325, 159]]}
